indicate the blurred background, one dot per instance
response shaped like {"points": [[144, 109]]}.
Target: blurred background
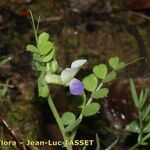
{"points": [[91, 29]]}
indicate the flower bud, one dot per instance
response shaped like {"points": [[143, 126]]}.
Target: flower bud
{"points": [[53, 79], [48, 67], [54, 66]]}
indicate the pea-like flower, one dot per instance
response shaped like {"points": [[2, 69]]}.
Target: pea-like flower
{"points": [[66, 77], [76, 87]]}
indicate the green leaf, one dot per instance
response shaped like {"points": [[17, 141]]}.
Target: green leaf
{"points": [[39, 66], [146, 137], [133, 127], [37, 57], [113, 62], [31, 48], [143, 99], [101, 93], [90, 109], [139, 139], [4, 61], [45, 47], [111, 76], [44, 59], [100, 71], [5, 89], [43, 37], [43, 89], [53, 66], [74, 125], [68, 118], [144, 143], [49, 56], [120, 66], [90, 82], [145, 112], [147, 128], [134, 93]]}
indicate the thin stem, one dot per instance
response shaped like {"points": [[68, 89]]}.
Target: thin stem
{"points": [[75, 131], [101, 84], [91, 98], [37, 28], [56, 115], [134, 146], [140, 136], [139, 143], [141, 127], [112, 144], [88, 102], [34, 27], [58, 120], [135, 61]]}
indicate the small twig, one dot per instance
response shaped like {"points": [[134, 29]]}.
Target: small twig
{"points": [[12, 132], [56, 18], [3, 85], [140, 15]]}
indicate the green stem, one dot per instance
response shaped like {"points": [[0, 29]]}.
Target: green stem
{"points": [[112, 144], [88, 102], [34, 27], [140, 137], [91, 98], [75, 131], [58, 120], [134, 146]]}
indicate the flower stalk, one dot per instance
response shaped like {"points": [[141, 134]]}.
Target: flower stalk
{"points": [[59, 121]]}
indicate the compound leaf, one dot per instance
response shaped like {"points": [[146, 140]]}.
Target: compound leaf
{"points": [[100, 71], [101, 93], [90, 109], [90, 82], [113, 62], [68, 118]]}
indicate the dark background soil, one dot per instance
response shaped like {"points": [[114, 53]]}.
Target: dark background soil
{"points": [[91, 29]]}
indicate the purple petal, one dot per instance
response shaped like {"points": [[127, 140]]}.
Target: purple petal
{"points": [[76, 87]]}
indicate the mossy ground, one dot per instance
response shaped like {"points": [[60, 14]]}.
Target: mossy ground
{"points": [[95, 40]]}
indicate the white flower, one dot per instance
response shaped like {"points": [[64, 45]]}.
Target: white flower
{"points": [[67, 74]]}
